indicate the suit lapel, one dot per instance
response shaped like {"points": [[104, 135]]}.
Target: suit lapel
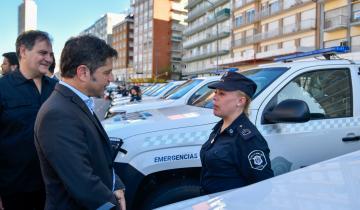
{"points": [[81, 104]]}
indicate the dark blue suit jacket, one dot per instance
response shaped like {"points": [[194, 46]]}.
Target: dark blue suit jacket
{"points": [[76, 157]]}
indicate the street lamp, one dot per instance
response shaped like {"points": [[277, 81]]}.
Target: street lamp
{"points": [[217, 36]]}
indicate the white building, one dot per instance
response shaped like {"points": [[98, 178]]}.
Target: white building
{"points": [[102, 28], [207, 36], [27, 16]]}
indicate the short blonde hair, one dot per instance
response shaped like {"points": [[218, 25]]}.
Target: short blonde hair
{"points": [[247, 103]]}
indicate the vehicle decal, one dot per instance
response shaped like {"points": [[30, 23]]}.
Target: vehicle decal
{"points": [[313, 125], [177, 138], [168, 158]]}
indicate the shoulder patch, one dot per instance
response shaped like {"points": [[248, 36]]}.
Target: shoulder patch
{"points": [[257, 160]]}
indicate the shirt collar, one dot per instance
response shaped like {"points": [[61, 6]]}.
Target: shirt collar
{"points": [[87, 100], [18, 77], [232, 129]]}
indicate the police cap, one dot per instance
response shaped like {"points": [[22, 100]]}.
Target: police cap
{"points": [[232, 81]]}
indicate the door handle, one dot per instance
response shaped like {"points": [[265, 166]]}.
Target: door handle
{"points": [[353, 138]]}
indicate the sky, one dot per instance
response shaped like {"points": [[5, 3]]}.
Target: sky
{"points": [[62, 19]]}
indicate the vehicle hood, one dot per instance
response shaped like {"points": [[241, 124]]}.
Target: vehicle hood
{"points": [[331, 184], [128, 125], [141, 106]]}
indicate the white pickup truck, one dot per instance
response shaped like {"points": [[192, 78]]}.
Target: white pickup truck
{"points": [[307, 111]]}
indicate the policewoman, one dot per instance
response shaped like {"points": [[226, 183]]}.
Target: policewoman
{"points": [[236, 154]]}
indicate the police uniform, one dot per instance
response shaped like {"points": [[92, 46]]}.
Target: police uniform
{"points": [[239, 155]]}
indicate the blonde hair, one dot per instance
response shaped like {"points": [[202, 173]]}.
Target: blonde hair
{"points": [[247, 103]]}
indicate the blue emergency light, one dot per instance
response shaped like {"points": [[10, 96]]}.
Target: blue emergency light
{"points": [[324, 51]]}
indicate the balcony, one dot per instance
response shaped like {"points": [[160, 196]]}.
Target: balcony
{"points": [[176, 49], [355, 18], [192, 3], [243, 3], [205, 39], [220, 16], [280, 7], [205, 55], [282, 51], [175, 60], [175, 38], [336, 23], [203, 8], [177, 27], [304, 25]]}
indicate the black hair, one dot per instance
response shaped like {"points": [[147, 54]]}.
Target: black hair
{"points": [[12, 58], [52, 66], [28, 39], [84, 50]]}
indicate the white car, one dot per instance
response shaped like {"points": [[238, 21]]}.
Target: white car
{"points": [[185, 94], [154, 95], [332, 184], [307, 111]]}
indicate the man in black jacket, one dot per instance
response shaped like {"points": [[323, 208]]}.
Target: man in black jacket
{"points": [[22, 92], [75, 153]]}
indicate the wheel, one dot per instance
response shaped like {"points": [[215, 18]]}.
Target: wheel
{"points": [[172, 192]]}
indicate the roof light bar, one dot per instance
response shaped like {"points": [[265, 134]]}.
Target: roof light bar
{"points": [[337, 49]]}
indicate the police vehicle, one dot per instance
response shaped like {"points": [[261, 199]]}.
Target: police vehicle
{"points": [[307, 111], [184, 94]]}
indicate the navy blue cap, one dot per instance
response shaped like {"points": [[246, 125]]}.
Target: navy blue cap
{"points": [[232, 81]]}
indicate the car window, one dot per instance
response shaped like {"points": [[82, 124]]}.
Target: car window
{"points": [[162, 89], [153, 89], [184, 88], [328, 93], [263, 77], [203, 97]]}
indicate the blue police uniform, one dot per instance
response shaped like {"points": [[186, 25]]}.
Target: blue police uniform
{"points": [[239, 155]]}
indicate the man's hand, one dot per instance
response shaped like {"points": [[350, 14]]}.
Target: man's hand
{"points": [[120, 196]]}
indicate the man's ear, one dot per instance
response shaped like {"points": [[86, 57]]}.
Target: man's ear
{"points": [[82, 72], [22, 51]]}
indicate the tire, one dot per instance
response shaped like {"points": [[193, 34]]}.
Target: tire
{"points": [[172, 192]]}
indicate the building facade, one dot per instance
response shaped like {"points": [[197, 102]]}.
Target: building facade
{"points": [[27, 16], [102, 28], [341, 23], [207, 36], [265, 29], [158, 26], [123, 42]]}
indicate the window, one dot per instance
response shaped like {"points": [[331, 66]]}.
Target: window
{"points": [[238, 21], [327, 93], [250, 15]]}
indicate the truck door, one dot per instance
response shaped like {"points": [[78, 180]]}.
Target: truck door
{"points": [[332, 97]]}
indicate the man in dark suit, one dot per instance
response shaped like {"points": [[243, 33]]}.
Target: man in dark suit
{"points": [[75, 152]]}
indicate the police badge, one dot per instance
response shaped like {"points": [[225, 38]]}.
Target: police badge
{"points": [[257, 160]]}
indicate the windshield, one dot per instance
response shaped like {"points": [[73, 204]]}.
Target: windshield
{"points": [[162, 89], [153, 89], [184, 88], [262, 77]]}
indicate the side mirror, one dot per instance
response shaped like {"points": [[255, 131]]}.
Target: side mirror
{"points": [[288, 111]]}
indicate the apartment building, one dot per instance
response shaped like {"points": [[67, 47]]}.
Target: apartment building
{"points": [[341, 23], [264, 29], [123, 42], [158, 26], [102, 27], [207, 36]]}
